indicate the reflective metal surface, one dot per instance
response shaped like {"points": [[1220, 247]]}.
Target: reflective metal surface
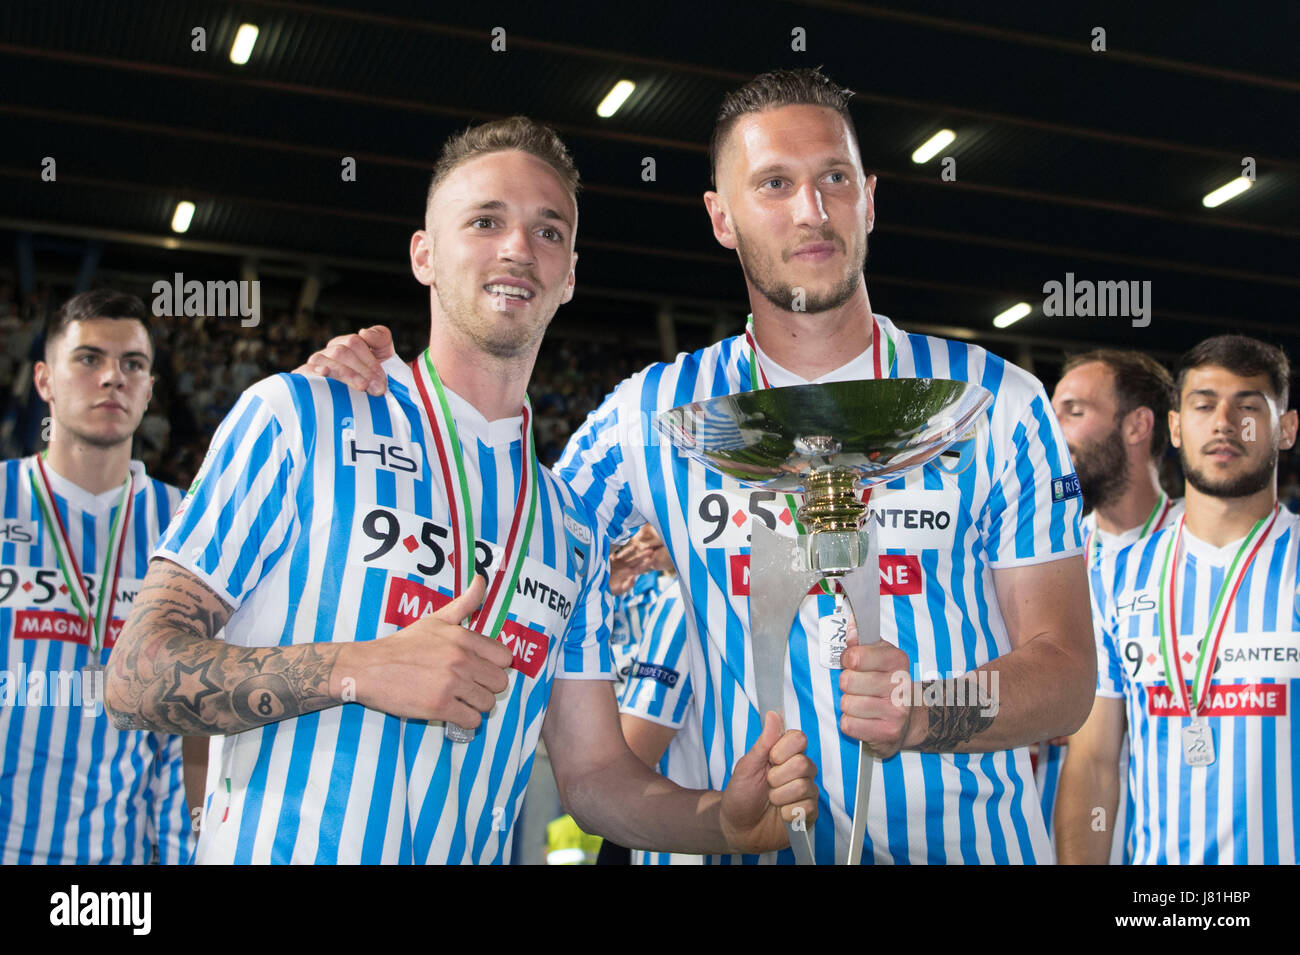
{"points": [[776, 437]]}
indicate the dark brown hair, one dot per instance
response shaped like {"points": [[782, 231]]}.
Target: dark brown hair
{"points": [[770, 90], [97, 303], [1140, 382], [1242, 356]]}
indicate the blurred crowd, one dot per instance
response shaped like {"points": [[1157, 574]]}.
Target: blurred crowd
{"points": [[202, 366]]}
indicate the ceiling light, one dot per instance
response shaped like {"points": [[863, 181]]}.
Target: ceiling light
{"points": [[1012, 315], [242, 48], [1225, 192], [182, 216], [615, 98], [930, 148]]}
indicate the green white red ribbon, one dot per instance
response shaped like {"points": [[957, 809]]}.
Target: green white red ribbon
{"points": [[1168, 613], [97, 618]]}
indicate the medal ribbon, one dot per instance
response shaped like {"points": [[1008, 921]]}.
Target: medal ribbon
{"points": [[446, 438], [98, 618], [1162, 507], [758, 382], [1218, 616]]}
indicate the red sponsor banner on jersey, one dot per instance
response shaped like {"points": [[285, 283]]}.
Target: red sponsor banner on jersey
{"points": [[528, 646], [900, 575], [1230, 699], [409, 601], [59, 625]]}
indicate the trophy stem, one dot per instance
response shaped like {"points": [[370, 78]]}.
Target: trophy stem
{"points": [[830, 502], [833, 516]]}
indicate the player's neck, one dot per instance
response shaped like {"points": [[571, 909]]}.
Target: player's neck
{"points": [[93, 469], [494, 386], [810, 345], [1221, 520], [1135, 505]]}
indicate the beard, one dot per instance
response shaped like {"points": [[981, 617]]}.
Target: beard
{"points": [[1242, 485], [762, 273], [512, 340], [1102, 468]]}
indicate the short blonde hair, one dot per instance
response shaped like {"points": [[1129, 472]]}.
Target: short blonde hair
{"points": [[515, 132]]}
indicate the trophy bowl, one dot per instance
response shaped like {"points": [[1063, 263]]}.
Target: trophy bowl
{"points": [[777, 437]]}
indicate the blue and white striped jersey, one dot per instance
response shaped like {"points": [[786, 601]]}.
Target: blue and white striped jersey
{"points": [[659, 690], [321, 515], [1005, 497], [1051, 759], [73, 789], [628, 623], [1240, 809]]}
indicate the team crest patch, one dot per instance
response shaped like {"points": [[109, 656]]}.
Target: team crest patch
{"points": [[1064, 488], [578, 535]]}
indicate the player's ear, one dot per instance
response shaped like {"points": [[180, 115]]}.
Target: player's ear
{"points": [[1138, 425], [720, 219], [1289, 423], [41, 376], [1175, 430], [422, 257], [569, 282], [871, 202]]}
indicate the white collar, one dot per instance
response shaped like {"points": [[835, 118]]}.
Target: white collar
{"points": [[856, 369], [82, 499], [1208, 553], [469, 420]]}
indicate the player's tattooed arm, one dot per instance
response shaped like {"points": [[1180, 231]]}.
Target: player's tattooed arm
{"points": [[167, 673], [952, 724]]}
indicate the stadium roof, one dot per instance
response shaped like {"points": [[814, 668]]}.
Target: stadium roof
{"points": [[1068, 159]]}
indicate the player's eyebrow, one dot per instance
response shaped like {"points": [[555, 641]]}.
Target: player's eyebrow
{"points": [[1244, 393], [544, 212], [782, 168], [772, 169], [94, 350]]}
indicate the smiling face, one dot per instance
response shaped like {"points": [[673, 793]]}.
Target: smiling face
{"points": [[1228, 432], [497, 251], [97, 380], [794, 202]]}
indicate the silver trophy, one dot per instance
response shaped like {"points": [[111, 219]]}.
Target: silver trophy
{"points": [[826, 440]]}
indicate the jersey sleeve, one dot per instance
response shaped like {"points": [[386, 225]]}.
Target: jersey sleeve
{"points": [[1034, 504], [594, 465], [586, 652], [234, 524], [170, 824], [659, 683]]}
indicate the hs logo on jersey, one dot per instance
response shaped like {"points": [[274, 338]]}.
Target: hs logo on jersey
{"points": [[1142, 602], [16, 532], [380, 452]]}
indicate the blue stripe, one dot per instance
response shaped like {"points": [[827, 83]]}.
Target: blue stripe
{"points": [[350, 717], [1025, 499], [254, 792], [381, 798], [997, 838]]}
